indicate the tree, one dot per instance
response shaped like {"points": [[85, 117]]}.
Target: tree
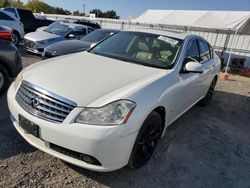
{"points": [[6, 3], [17, 3], [108, 14], [38, 6], [97, 12], [77, 13], [11, 3]]}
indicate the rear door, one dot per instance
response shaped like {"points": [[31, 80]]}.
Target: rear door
{"points": [[208, 63]]}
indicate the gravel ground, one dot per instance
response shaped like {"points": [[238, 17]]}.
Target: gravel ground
{"points": [[206, 147]]}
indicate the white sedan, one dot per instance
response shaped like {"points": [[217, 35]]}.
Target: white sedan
{"points": [[108, 107]]}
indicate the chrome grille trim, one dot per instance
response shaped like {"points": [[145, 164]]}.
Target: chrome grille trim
{"points": [[51, 106]]}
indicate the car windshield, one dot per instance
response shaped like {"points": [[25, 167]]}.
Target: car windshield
{"points": [[59, 28], [142, 48], [96, 36]]}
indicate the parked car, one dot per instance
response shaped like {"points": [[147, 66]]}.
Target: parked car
{"points": [[6, 33], [109, 106], [36, 41], [30, 22], [92, 25], [10, 63], [73, 46], [88, 23], [12, 22]]}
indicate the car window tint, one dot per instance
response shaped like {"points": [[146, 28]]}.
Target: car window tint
{"points": [[79, 33], [204, 51], [26, 15], [90, 30], [141, 48], [5, 16], [211, 51], [192, 50], [96, 36], [11, 10]]}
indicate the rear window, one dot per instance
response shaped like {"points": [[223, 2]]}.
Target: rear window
{"points": [[11, 10], [26, 15], [4, 16]]}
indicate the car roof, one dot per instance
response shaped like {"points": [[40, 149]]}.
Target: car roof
{"points": [[73, 25], [170, 33], [108, 30]]}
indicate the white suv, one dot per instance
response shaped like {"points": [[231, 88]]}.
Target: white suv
{"points": [[8, 20], [108, 107]]}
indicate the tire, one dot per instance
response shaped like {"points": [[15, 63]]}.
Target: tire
{"points": [[146, 141], [16, 38], [209, 95], [4, 79]]}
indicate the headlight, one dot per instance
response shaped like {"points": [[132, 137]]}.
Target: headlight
{"points": [[54, 53], [18, 80], [115, 113]]}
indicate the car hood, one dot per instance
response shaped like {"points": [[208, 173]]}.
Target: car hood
{"points": [[87, 78], [40, 36], [68, 46]]}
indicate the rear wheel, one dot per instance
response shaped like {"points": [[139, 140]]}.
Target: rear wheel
{"points": [[4, 79], [16, 38], [146, 141], [208, 97]]}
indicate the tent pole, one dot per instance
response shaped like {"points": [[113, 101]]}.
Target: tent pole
{"points": [[231, 50]]}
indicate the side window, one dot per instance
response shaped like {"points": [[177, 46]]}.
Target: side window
{"points": [[192, 50], [204, 51], [79, 33], [5, 16], [90, 30], [11, 10], [211, 51]]}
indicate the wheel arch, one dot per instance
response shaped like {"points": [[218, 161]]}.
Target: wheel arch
{"points": [[162, 111], [5, 65]]}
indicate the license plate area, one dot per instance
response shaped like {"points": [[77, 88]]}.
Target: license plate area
{"points": [[28, 126]]}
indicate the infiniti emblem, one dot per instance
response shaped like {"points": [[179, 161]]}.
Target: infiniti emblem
{"points": [[35, 102]]}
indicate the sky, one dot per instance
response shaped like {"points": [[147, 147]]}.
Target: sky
{"points": [[125, 8]]}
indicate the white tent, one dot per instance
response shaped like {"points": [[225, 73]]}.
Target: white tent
{"points": [[201, 20]]}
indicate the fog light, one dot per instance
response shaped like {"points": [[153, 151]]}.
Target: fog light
{"points": [[89, 159]]}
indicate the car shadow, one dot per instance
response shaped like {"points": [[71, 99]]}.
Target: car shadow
{"points": [[11, 143], [206, 147]]}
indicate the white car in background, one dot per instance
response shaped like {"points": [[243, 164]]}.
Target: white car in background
{"points": [[108, 107], [8, 20]]}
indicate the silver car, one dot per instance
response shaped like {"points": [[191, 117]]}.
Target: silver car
{"points": [[59, 31]]}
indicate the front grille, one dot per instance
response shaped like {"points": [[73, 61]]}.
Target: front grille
{"points": [[29, 43], [43, 104]]}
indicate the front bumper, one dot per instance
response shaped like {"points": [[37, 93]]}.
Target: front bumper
{"points": [[104, 143], [33, 47]]}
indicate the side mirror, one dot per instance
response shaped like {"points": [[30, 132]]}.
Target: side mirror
{"points": [[93, 44], [193, 67], [71, 36]]}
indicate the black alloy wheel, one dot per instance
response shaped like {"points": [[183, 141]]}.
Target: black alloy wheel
{"points": [[146, 141]]}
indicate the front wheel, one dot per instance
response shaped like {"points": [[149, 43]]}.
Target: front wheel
{"points": [[146, 141], [16, 38]]}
